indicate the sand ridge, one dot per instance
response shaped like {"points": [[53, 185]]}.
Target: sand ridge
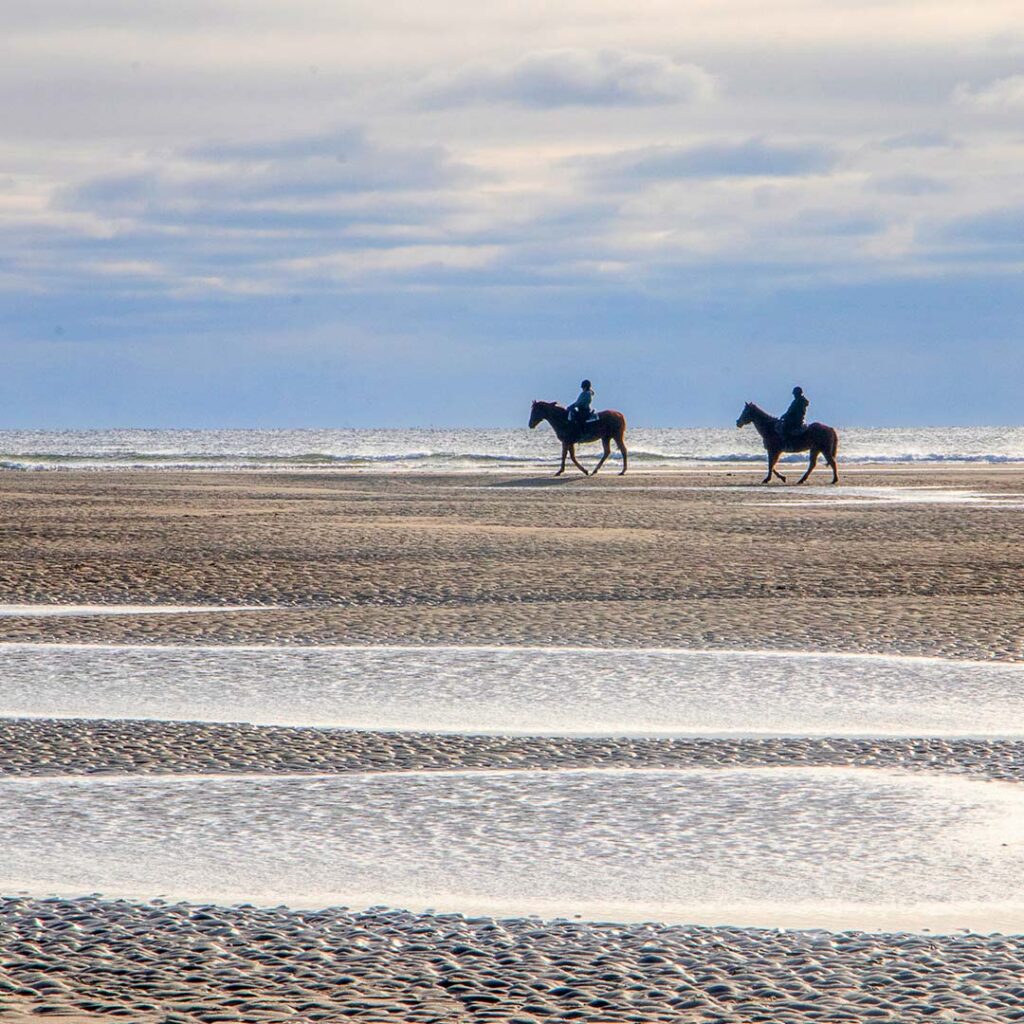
{"points": [[39, 747], [181, 963]]}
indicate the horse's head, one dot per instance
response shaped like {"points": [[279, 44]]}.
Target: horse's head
{"points": [[538, 412], [747, 416]]}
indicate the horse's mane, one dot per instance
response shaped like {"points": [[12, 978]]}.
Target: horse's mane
{"points": [[763, 412]]}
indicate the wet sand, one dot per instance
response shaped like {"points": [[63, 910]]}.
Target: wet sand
{"points": [[690, 560], [456, 560], [179, 964], [39, 747]]}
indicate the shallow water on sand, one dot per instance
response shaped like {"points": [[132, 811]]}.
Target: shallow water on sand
{"points": [[790, 847], [858, 497], [519, 690], [776, 494]]}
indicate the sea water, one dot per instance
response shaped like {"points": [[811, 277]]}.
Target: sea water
{"points": [[470, 450]]}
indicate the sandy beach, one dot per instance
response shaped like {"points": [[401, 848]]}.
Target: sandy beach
{"points": [[904, 562], [688, 560], [394, 623]]}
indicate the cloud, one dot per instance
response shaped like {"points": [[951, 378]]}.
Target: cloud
{"points": [[283, 170], [910, 185], [1000, 227], [750, 158], [341, 145], [266, 214], [919, 140], [1002, 94], [398, 260], [572, 77]]}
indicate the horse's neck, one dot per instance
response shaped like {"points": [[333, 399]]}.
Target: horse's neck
{"points": [[762, 420], [559, 420]]}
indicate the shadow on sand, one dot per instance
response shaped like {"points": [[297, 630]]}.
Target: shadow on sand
{"points": [[536, 481]]}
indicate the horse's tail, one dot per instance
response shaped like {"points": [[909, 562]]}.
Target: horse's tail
{"points": [[834, 439]]}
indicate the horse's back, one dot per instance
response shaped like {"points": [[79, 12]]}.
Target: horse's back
{"points": [[823, 436]]}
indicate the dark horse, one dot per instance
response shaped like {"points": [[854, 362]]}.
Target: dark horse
{"points": [[609, 426], [815, 438]]}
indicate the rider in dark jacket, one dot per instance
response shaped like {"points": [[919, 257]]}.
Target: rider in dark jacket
{"points": [[792, 421]]}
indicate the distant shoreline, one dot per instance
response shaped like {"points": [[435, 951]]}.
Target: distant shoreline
{"points": [[491, 451]]}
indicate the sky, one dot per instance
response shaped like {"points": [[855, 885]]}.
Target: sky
{"points": [[343, 214]]}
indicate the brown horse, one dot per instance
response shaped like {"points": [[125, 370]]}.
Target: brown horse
{"points": [[816, 438], [609, 426]]}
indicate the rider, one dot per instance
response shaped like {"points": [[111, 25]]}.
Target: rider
{"points": [[792, 420], [579, 411]]}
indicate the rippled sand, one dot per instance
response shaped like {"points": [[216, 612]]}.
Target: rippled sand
{"points": [[85, 611], [463, 560], [40, 747], [686, 561], [179, 964]]}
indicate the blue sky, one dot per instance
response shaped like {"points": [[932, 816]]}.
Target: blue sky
{"points": [[313, 214]]}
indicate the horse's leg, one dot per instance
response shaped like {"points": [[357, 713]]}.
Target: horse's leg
{"points": [[621, 444], [565, 449], [606, 442], [811, 464], [575, 461], [830, 456], [773, 457]]}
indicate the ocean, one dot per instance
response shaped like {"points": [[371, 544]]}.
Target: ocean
{"points": [[469, 450]]}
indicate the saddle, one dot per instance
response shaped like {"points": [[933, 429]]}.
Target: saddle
{"points": [[583, 427], [789, 437]]}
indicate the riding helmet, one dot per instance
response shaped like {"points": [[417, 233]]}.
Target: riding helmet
{"points": [[585, 384]]}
